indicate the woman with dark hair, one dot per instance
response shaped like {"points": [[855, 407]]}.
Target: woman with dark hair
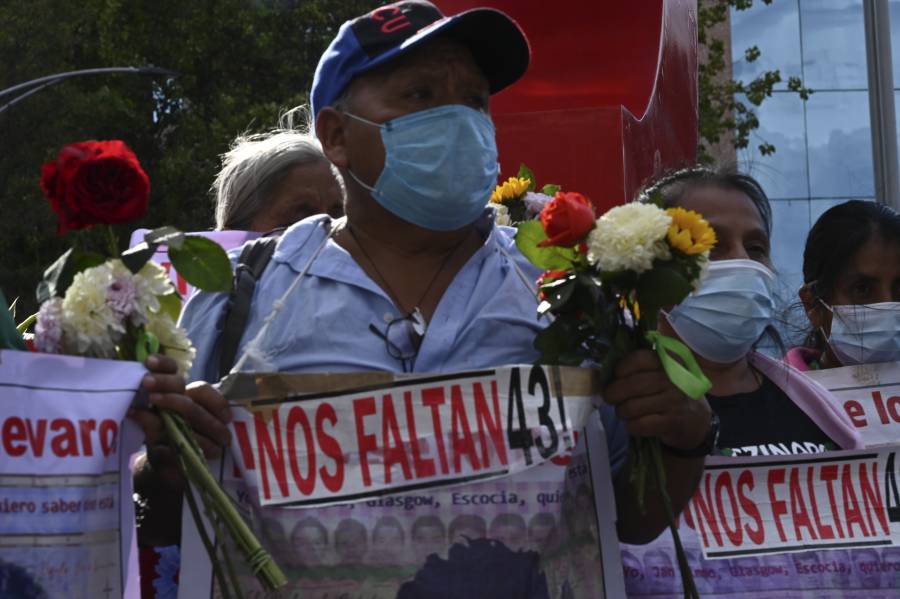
{"points": [[763, 406], [851, 288]]}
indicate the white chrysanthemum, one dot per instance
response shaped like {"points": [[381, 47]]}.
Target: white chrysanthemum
{"points": [[629, 237], [501, 215], [703, 262], [91, 326], [173, 341], [151, 281]]}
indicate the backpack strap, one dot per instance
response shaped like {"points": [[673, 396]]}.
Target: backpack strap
{"points": [[250, 266]]}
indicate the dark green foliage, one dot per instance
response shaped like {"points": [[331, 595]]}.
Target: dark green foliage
{"points": [[241, 62]]}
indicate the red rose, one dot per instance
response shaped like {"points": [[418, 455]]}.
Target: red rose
{"points": [[567, 218], [95, 182]]}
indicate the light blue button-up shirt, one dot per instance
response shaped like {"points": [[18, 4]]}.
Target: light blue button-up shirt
{"points": [[487, 316]]}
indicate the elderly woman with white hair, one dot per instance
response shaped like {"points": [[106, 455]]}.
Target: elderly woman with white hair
{"points": [[275, 179]]}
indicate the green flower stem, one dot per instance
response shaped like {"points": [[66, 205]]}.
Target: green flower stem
{"points": [[197, 472], [23, 326], [204, 537], [687, 577], [112, 241]]}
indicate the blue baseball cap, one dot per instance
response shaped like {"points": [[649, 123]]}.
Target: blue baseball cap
{"points": [[497, 43]]}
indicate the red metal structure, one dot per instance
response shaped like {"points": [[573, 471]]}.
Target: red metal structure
{"points": [[610, 98]]}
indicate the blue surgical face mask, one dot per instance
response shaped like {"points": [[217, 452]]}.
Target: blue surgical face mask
{"points": [[865, 334], [723, 319], [440, 166]]}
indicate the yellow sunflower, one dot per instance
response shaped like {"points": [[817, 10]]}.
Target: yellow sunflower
{"points": [[689, 232], [512, 189]]}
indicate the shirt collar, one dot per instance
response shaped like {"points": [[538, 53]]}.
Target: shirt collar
{"points": [[300, 241]]}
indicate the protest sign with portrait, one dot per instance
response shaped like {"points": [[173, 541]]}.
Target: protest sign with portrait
{"points": [[382, 485], [67, 525]]}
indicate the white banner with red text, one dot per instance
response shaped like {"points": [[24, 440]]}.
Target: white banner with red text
{"points": [[813, 525], [870, 395], [377, 485], [67, 525]]}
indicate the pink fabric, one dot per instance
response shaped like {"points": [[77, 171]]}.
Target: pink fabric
{"points": [[800, 357], [812, 398]]}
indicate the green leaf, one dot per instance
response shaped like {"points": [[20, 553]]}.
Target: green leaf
{"points": [[529, 234], [170, 304], [555, 344], [550, 189], [526, 173], [202, 263], [167, 236], [661, 287], [59, 275], [147, 343], [135, 258], [23, 326], [556, 294]]}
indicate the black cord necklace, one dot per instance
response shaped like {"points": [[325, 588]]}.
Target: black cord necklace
{"points": [[415, 315]]}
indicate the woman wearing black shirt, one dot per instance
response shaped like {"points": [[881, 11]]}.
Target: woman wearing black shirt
{"points": [[764, 407]]}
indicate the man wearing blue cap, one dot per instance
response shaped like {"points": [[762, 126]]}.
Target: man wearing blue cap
{"points": [[417, 278]]}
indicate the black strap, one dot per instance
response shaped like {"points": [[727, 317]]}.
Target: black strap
{"points": [[252, 262]]}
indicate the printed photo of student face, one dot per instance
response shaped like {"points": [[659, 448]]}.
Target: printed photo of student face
{"points": [[309, 542], [659, 572], [428, 536], [351, 541], [840, 575], [467, 527], [748, 570], [274, 538], [510, 530], [388, 542], [890, 563], [866, 564], [705, 574], [585, 515], [633, 570], [542, 535]]}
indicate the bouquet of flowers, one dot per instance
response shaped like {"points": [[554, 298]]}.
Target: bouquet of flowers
{"points": [[107, 304], [607, 276], [516, 200]]}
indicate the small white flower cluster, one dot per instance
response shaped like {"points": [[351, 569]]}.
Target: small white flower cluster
{"points": [[100, 307], [501, 215], [629, 237]]}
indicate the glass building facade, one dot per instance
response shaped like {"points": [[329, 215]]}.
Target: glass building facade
{"points": [[823, 145]]}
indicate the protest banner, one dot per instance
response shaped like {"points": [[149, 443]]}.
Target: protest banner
{"points": [[227, 239], [826, 524], [870, 394], [476, 481], [67, 527]]}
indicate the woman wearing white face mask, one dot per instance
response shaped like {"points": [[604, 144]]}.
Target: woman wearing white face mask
{"points": [[764, 406], [851, 290]]}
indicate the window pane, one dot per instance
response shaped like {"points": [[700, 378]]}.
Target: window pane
{"points": [[840, 144], [775, 30], [790, 224], [895, 40], [834, 44], [782, 175]]}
